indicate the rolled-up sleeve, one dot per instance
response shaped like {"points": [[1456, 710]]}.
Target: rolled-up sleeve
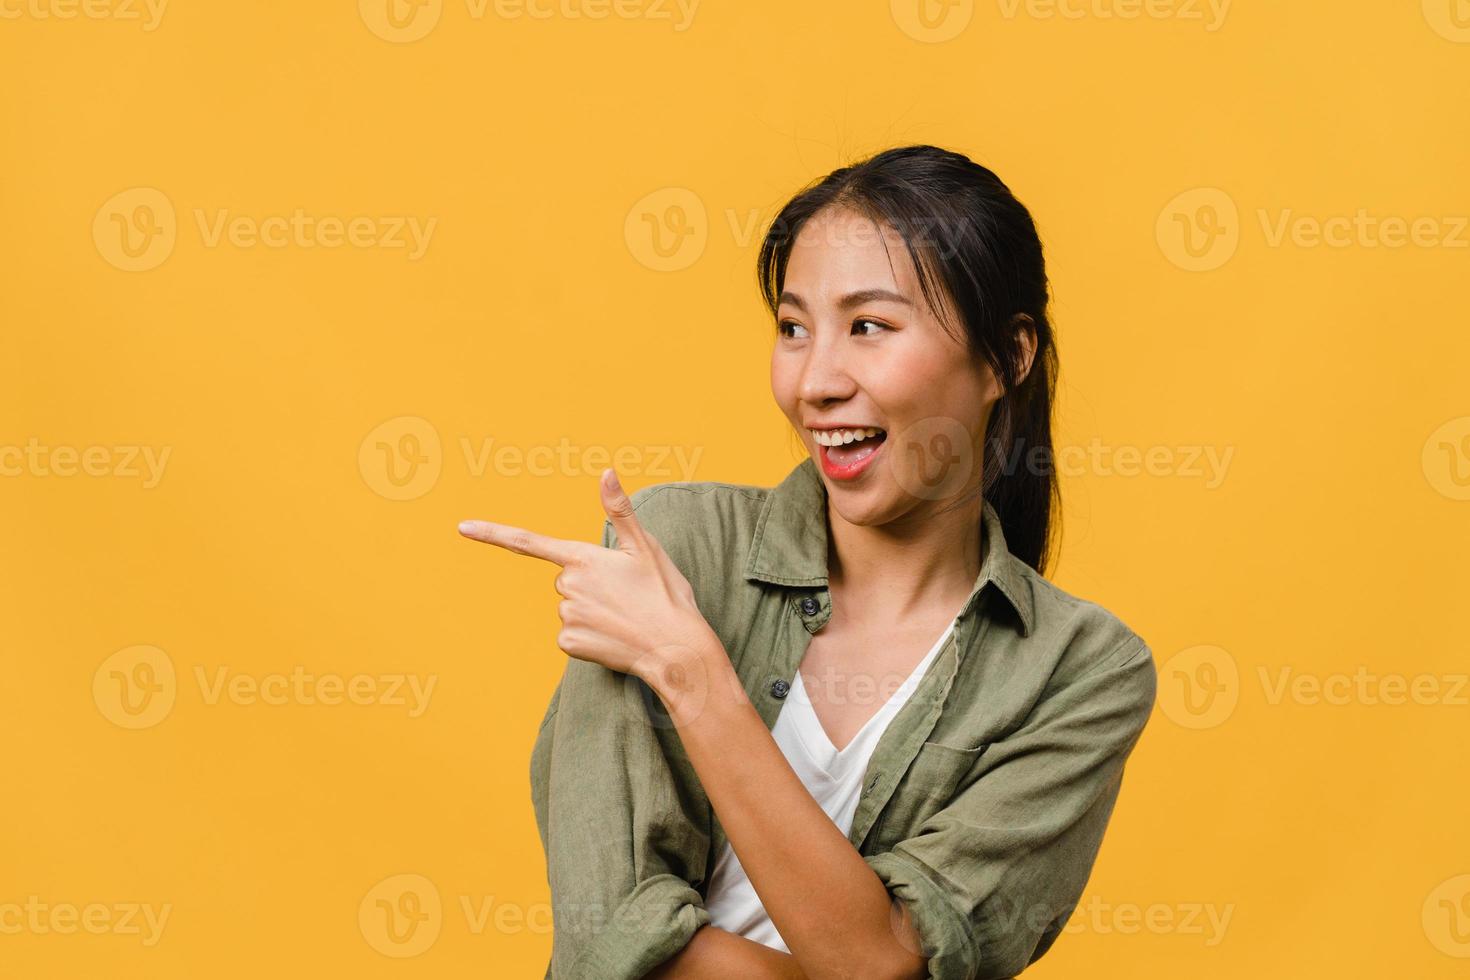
{"points": [[623, 829], [991, 878]]}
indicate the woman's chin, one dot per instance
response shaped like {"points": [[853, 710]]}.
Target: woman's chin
{"points": [[865, 506]]}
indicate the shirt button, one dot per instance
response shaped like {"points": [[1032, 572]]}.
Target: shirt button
{"points": [[779, 689], [809, 605]]}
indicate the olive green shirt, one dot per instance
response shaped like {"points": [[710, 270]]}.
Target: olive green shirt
{"points": [[984, 802]]}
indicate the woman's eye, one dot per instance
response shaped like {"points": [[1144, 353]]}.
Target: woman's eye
{"points": [[788, 328], [857, 324]]}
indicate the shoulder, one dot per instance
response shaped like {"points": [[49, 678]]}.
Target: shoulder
{"points": [[706, 505], [1081, 636], [701, 524], [706, 498]]}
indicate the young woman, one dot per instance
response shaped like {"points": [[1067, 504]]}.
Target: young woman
{"points": [[843, 727]]}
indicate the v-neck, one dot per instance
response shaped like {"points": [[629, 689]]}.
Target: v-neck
{"points": [[814, 735]]}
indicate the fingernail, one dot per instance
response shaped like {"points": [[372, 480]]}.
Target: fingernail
{"points": [[466, 527]]}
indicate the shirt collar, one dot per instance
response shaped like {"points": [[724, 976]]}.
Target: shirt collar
{"points": [[790, 545]]}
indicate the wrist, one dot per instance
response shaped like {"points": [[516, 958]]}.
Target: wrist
{"points": [[685, 675]]}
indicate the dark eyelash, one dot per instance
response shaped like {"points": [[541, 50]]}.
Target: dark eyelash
{"points": [[781, 325]]}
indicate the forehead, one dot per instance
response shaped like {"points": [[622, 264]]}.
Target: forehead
{"points": [[839, 248]]}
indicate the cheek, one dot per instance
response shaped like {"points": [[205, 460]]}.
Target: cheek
{"points": [[908, 381], [783, 383], [931, 389]]}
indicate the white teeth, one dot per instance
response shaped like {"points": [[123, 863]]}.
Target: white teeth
{"points": [[841, 437]]}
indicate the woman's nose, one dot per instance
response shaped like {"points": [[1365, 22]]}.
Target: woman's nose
{"points": [[826, 376]]}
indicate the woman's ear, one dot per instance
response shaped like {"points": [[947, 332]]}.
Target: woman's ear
{"points": [[1025, 329]]}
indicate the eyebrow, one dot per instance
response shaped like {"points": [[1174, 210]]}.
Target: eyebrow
{"points": [[850, 300]]}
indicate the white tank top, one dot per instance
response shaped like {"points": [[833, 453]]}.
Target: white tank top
{"points": [[834, 779]]}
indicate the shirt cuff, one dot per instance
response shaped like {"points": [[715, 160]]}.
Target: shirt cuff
{"points": [[652, 924], [944, 931]]}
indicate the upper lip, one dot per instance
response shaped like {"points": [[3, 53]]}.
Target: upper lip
{"points": [[828, 426]]}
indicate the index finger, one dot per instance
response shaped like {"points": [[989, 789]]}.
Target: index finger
{"points": [[524, 542]]}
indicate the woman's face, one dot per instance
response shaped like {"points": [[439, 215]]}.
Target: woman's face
{"points": [[858, 349]]}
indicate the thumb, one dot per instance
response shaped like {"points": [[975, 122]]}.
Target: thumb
{"points": [[619, 510]]}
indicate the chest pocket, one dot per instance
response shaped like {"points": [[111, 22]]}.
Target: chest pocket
{"points": [[936, 775]]}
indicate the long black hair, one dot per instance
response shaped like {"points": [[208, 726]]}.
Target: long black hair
{"points": [[973, 243]]}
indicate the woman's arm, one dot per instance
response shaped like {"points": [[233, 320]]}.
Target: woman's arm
{"points": [[713, 952], [829, 905], [619, 871], [631, 610]]}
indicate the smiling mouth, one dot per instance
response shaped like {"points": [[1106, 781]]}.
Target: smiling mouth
{"points": [[845, 452]]}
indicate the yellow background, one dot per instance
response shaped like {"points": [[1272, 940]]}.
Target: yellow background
{"points": [[1332, 835]]}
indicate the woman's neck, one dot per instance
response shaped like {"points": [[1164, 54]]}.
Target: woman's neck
{"points": [[908, 566]]}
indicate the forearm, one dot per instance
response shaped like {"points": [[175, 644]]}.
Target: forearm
{"points": [[716, 953], [621, 897], [830, 907]]}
